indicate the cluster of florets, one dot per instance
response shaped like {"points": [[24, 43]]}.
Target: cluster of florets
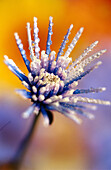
{"points": [[51, 82]]}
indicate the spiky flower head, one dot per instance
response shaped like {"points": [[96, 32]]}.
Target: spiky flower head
{"points": [[51, 82]]}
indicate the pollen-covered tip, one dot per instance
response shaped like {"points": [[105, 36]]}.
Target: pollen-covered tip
{"points": [[81, 29], [30, 77], [46, 122], [34, 89], [5, 57], [28, 112], [41, 97], [36, 110], [103, 51], [103, 88], [25, 84], [34, 97], [16, 35], [71, 26], [25, 115]]}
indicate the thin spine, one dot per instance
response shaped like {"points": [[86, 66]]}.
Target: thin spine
{"points": [[23, 93], [30, 41], [29, 111], [49, 42], [89, 100], [73, 43], [67, 112], [51, 59], [78, 110], [64, 42], [36, 39], [88, 60], [45, 115], [12, 66], [22, 51], [84, 63], [80, 75], [91, 90], [83, 55], [44, 60], [86, 114]]}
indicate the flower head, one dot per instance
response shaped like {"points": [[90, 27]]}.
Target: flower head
{"points": [[51, 82]]}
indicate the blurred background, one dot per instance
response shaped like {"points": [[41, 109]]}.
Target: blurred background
{"points": [[64, 145]]}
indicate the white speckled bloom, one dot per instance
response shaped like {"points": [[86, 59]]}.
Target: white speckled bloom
{"points": [[51, 83]]}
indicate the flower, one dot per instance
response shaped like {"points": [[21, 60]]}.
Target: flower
{"points": [[51, 81]]}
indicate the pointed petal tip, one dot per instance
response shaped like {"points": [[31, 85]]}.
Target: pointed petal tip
{"points": [[25, 115], [71, 26], [103, 51], [18, 92], [103, 88], [91, 117], [5, 57], [81, 29], [99, 62], [35, 19], [79, 121], [51, 18], [15, 34], [108, 103], [28, 24], [96, 42], [46, 122]]}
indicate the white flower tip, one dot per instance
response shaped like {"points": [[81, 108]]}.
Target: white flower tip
{"points": [[52, 53], [28, 24], [36, 110], [99, 62], [103, 88], [17, 91], [81, 29], [71, 26], [34, 97], [35, 19], [51, 18], [94, 107], [108, 103], [46, 122], [25, 115], [78, 120], [16, 35], [34, 89], [103, 51], [41, 97], [42, 52], [96, 42], [5, 57], [91, 116]]}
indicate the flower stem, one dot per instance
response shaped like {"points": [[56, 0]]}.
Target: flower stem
{"points": [[18, 157]]}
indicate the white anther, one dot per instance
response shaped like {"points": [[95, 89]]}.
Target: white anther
{"points": [[47, 101], [46, 122], [66, 99], [25, 84], [36, 79], [30, 77], [34, 89], [34, 97], [41, 97], [42, 90], [36, 110], [56, 104]]}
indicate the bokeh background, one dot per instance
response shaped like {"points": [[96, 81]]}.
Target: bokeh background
{"points": [[64, 145]]}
